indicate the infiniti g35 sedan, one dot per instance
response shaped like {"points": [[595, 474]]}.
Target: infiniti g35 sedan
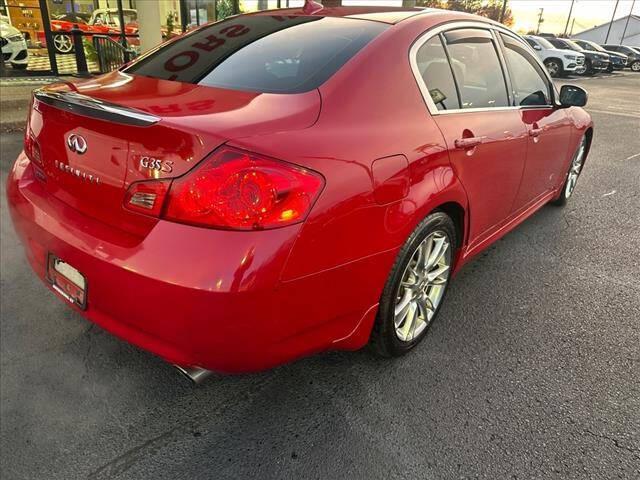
{"points": [[288, 182]]}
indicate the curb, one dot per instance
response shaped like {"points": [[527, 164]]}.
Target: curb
{"points": [[13, 126]]}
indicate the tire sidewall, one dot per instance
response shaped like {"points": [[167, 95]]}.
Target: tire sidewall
{"points": [[385, 322], [562, 199]]}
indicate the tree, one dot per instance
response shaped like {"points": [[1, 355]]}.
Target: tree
{"points": [[469, 6], [493, 10], [487, 8], [430, 3]]}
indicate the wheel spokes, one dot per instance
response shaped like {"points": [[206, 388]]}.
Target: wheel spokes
{"points": [[422, 286]]}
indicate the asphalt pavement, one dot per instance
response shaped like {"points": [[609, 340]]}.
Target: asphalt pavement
{"points": [[532, 369]]}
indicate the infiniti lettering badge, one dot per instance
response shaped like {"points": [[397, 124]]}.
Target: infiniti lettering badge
{"points": [[76, 172], [77, 143]]}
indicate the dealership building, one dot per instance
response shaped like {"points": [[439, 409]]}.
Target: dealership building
{"points": [[41, 37]]}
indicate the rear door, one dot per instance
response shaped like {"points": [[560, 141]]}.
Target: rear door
{"points": [[548, 128], [466, 92]]}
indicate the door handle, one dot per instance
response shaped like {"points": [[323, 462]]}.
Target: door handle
{"points": [[468, 142], [535, 132]]}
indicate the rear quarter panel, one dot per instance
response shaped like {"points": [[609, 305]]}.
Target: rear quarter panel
{"points": [[371, 109]]}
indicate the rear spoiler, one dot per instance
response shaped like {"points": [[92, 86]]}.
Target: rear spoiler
{"points": [[94, 108]]}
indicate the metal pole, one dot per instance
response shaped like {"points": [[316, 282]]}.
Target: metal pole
{"points": [[53, 62], [573, 22], [184, 14], [566, 27], [123, 35], [626, 24], [81, 59], [539, 20], [504, 10], [611, 22]]}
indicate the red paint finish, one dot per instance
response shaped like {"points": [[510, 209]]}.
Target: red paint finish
{"points": [[244, 299]]}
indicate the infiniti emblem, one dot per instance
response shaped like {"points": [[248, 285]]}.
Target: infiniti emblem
{"points": [[77, 143]]}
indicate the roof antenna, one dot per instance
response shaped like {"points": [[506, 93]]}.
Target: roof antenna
{"points": [[311, 7]]}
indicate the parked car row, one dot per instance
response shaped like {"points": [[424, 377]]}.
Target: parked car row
{"points": [[562, 56]]}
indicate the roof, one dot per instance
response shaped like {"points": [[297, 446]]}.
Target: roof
{"points": [[624, 19], [390, 15]]}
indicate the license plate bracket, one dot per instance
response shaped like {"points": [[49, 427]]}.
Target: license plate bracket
{"points": [[67, 281]]}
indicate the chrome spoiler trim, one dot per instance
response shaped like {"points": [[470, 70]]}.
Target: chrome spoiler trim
{"points": [[92, 107]]}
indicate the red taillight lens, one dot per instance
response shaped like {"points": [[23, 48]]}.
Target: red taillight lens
{"points": [[240, 190], [32, 149], [147, 197]]}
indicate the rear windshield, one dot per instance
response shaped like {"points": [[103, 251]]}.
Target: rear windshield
{"points": [[270, 54]]}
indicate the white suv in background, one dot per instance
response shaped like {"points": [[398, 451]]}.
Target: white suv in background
{"points": [[558, 62]]}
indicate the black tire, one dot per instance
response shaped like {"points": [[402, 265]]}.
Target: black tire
{"points": [[384, 341], [635, 66], [589, 72], [563, 198], [554, 67], [610, 68]]}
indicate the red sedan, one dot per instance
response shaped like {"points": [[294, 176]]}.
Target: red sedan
{"points": [[283, 183]]}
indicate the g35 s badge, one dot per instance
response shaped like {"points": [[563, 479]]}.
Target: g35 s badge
{"points": [[150, 163]]}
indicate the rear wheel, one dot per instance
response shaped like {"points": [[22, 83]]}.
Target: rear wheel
{"points": [[575, 169], [416, 287], [635, 66], [554, 67]]}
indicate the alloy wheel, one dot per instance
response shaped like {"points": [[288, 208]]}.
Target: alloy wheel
{"points": [[63, 43], [575, 169], [635, 66], [553, 68], [423, 284]]}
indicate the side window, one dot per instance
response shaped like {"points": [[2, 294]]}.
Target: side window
{"points": [[530, 86], [476, 68], [436, 72], [530, 42]]}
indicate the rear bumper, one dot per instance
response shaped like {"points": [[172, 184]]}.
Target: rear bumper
{"points": [[199, 297]]}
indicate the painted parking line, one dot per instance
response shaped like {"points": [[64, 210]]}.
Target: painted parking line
{"points": [[633, 156], [619, 114]]}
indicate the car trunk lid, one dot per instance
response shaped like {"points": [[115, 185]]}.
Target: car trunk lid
{"points": [[97, 137]]}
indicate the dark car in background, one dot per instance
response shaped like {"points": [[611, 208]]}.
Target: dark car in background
{"points": [[618, 61], [594, 61], [633, 55]]}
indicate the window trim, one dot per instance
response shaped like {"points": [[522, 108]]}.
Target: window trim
{"points": [[430, 33], [542, 70]]}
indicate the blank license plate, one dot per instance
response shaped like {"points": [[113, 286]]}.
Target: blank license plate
{"points": [[67, 281]]}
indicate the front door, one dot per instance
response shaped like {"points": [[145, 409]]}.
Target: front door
{"points": [[547, 126]]}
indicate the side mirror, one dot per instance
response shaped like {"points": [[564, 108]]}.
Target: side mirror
{"points": [[572, 96], [537, 47]]}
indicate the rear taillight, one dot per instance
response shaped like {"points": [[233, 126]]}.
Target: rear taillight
{"points": [[32, 149], [233, 189]]}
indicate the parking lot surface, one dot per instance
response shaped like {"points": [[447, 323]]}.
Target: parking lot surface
{"points": [[531, 371]]}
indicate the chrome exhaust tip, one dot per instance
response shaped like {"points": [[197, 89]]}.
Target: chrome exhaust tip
{"points": [[196, 375]]}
